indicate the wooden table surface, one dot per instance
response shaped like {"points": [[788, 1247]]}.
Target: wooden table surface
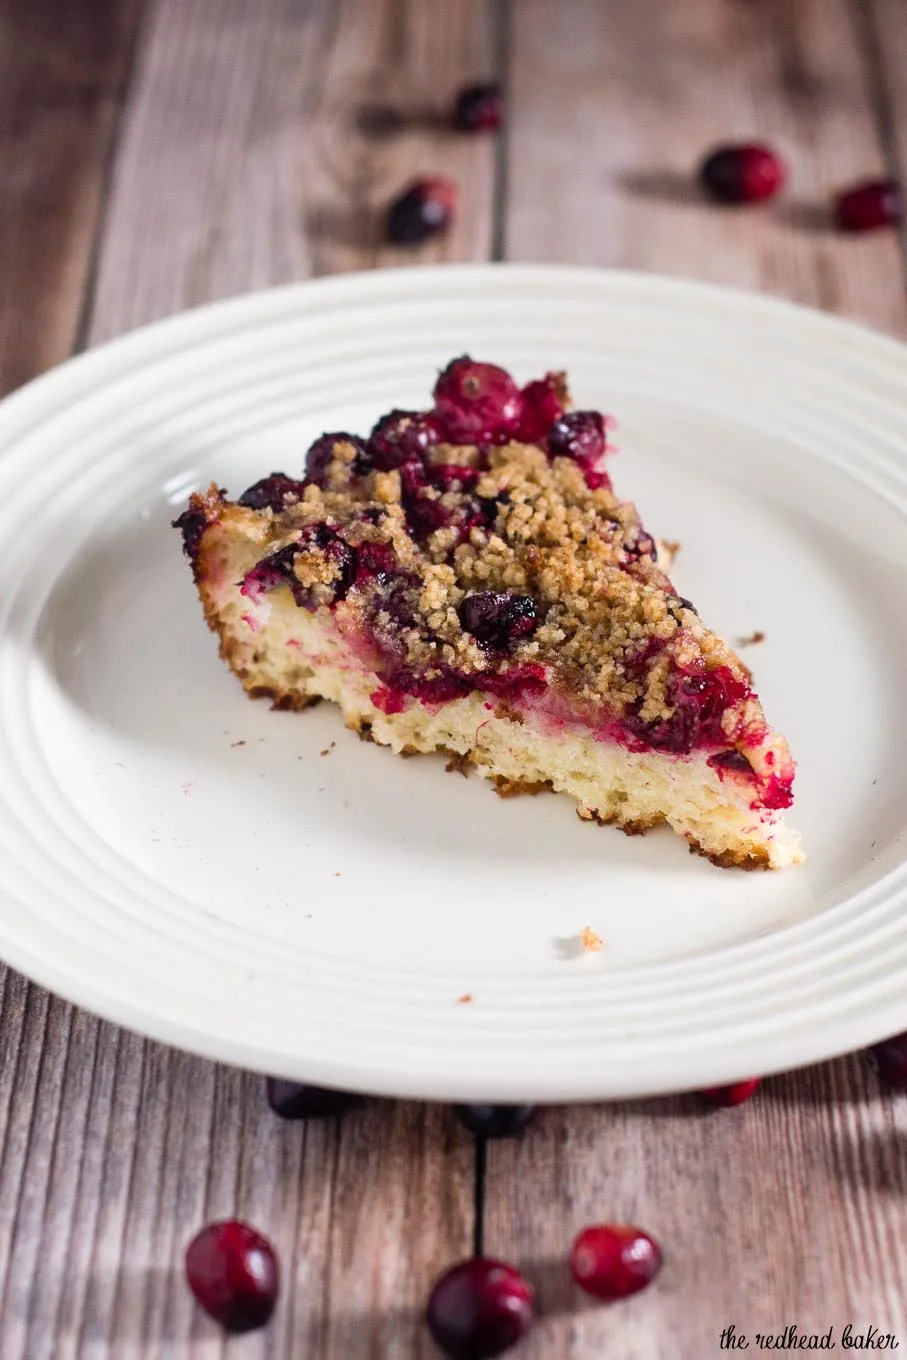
{"points": [[155, 154]]}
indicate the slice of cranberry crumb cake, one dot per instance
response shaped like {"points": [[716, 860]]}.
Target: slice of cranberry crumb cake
{"points": [[465, 580]]}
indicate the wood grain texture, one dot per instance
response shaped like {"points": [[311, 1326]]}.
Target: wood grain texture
{"points": [[63, 73], [240, 162], [793, 1208], [246, 158], [613, 107]]}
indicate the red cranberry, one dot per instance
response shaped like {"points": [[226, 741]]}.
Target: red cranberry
{"points": [[277, 569], [447, 475], [271, 491], [232, 1271], [890, 1061], [321, 454], [479, 1309], [375, 562], [424, 209], [479, 108], [731, 760], [734, 1094], [293, 1100], [871, 204], [477, 403], [495, 1121], [517, 682], [497, 618], [745, 173], [613, 1260], [579, 435], [402, 437], [541, 408], [442, 688], [698, 700]]}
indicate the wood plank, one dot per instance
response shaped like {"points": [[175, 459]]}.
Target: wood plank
{"points": [[240, 162], [613, 106], [786, 1210], [63, 72], [279, 178]]}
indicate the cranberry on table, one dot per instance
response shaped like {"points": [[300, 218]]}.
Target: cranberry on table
{"points": [[614, 1260], [495, 1121], [734, 1094], [867, 206], [479, 108], [232, 1271], [744, 173], [424, 209], [295, 1100], [479, 1309], [477, 403], [889, 1058]]}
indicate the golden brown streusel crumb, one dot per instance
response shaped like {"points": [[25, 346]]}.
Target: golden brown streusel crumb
{"points": [[609, 624], [590, 940]]}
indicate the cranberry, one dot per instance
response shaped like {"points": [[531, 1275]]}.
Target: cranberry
{"points": [[321, 454], [890, 1061], [479, 1309], [579, 435], [735, 1094], [192, 525], [731, 760], [271, 491], [479, 108], [698, 700], [292, 1100], [375, 562], [613, 1260], [447, 475], [440, 688], [777, 792], [745, 173], [277, 570], [497, 618], [541, 408], [402, 437], [517, 682], [495, 1121], [477, 403], [866, 206], [232, 1271], [422, 210]]}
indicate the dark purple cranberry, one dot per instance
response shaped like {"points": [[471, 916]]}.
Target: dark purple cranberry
{"points": [[731, 760], [890, 1061], [495, 1121], [497, 618], [277, 570], [542, 406], [579, 435], [613, 1260], [477, 403], [479, 1309], [698, 700], [642, 545], [479, 108], [321, 454], [422, 210], [271, 492], [375, 562], [865, 207], [735, 1094], [402, 437], [232, 1271], [191, 524], [292, 1100], [442, 687], [745, 173]]}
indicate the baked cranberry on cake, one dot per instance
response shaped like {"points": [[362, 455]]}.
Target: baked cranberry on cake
{"points": [[464, 579]]}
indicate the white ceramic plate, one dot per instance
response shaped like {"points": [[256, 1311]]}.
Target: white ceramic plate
{"points": [[192, 865]]}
